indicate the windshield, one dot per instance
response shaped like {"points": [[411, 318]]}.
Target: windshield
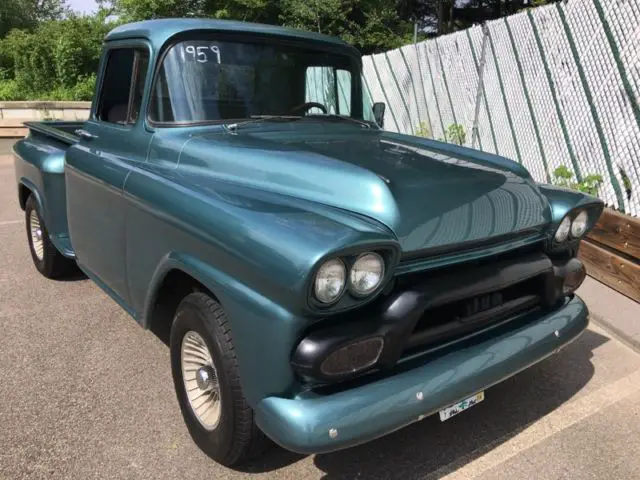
{"points": [[205, 80]]}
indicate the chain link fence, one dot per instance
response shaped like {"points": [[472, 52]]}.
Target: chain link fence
{"points": [[554, 86]]}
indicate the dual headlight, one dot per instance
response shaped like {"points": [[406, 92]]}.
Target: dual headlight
{"points": [[362, 278], [572, 227]]}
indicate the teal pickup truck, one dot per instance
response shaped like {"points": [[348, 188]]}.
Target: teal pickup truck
{"points": [[319, 281]]}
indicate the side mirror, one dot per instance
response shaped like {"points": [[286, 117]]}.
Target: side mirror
{"points": [[378, 113]]}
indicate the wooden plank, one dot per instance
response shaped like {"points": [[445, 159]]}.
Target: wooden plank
{"points": [[12, 122], [13, 132], [618, 231], [617, 272]]}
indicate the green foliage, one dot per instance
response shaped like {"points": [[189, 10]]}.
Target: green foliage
{"points": [[56, 61], [264, 11], [423, 130], [626, 182], [439, 17], [455, 134], [370, 25], [27, 13], [564, 177], [9, 91]]}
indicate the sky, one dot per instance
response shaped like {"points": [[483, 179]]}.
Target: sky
{"points": [[83, 6]]}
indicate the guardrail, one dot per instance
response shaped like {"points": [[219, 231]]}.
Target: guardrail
{"points": [[611, 253]]}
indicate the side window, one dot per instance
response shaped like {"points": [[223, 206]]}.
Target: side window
{"points": [[330, 87], [141, 62], [123, 86], [344, 92]]}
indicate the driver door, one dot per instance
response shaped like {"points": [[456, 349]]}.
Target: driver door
{"points": [[111, 143]]}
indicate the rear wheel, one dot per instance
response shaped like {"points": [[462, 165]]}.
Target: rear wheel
{"points": [[46, 257], [207, 383]]}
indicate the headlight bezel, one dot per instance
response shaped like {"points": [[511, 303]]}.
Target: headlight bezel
{"points": [[572, 241], [388, 251]]}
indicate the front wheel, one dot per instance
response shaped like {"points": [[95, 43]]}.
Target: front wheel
{"points": [[207, 383], [46, 257]]}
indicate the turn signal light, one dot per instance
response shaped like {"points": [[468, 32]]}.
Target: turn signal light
{"points": [[353, 357], [575, 274]]}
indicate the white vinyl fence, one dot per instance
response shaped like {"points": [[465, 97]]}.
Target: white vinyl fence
{"points": [[560, 86]]}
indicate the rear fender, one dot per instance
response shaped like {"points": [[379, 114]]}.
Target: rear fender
{"points": [[35, 193], [39, 166]]}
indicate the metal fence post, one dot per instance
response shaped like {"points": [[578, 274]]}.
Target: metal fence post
{"points": [[475, 135]]}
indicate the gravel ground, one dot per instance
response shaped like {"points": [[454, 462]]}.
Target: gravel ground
{"points": [[85, 393]]}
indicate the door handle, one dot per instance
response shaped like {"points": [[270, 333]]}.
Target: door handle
{"points": [[82, 133]]}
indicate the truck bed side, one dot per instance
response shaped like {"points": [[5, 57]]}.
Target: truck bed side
{"points": [[39, 167]]}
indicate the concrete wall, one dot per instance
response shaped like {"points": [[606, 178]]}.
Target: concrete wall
{"points": [[25, 111]]}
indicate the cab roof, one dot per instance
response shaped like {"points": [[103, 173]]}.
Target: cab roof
{"points": [[157, 32]]}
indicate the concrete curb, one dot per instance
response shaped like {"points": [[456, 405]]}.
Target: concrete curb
{"points": [[633, 342], [616, 313]]}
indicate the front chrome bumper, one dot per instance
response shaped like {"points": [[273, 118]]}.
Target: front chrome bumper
{"points": [[315, 423]]}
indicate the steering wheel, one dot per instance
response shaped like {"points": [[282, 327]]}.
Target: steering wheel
{"points": [[308, 106]]}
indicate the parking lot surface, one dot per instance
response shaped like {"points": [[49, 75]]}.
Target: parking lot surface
{"points": [[85, 393]]}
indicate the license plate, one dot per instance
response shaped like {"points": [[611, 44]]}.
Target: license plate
{"points": [[453, 410]]}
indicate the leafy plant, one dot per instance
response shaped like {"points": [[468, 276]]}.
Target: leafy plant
{"points": [[564, 177], [455, 134], [626, 181], [423, 130], [9, 90]]}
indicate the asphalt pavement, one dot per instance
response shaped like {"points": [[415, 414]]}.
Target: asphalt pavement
{"points": [[85, 393]]}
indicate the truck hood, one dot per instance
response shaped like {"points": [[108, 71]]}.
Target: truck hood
{"points": [[430, 194]]}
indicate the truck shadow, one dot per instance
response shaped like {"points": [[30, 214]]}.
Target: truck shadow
{"points": [[432, 449], [74, 276]]}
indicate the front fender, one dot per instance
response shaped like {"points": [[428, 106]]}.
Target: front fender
{"points": [[268, 242], [263, 332], [564, 200], [253, 250]]}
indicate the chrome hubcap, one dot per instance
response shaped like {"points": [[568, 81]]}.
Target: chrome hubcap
{"points": [[203, 377], [200, 380], [36, 234]]}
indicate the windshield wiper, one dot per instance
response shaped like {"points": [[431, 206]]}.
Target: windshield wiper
{"points": [[232, 127], [344, 118]]}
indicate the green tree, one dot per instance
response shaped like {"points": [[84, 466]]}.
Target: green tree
{"points": [[438, 17], [265, 11], [371, 25], [27, 13], [57, 60]]}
